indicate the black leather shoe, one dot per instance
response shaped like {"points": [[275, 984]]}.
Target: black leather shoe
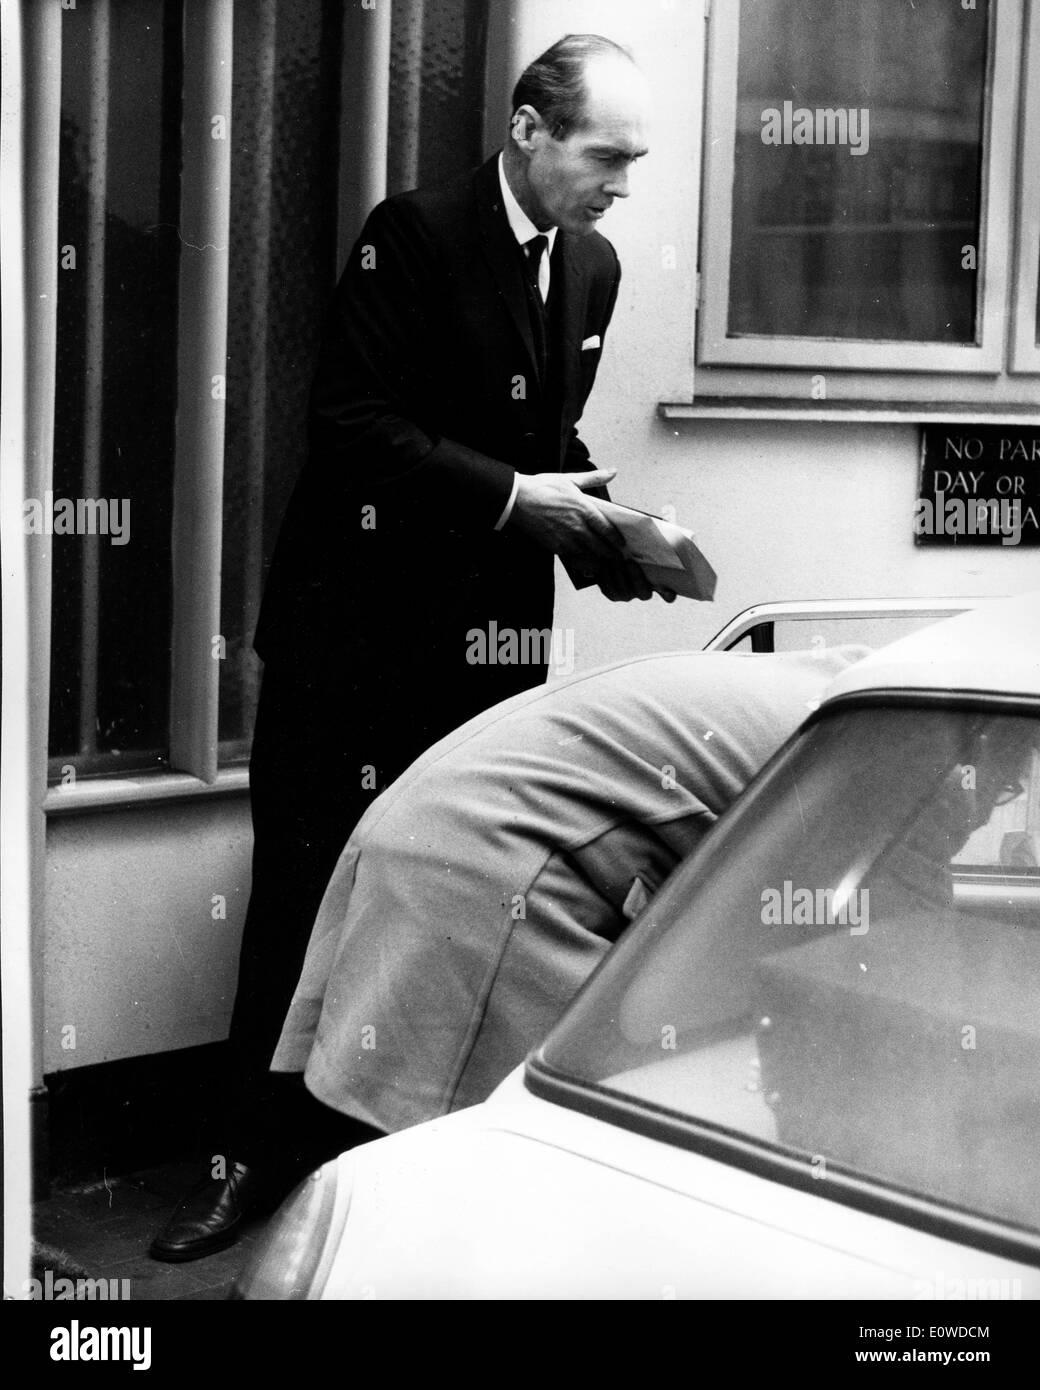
{"points": [[212, 1216]]}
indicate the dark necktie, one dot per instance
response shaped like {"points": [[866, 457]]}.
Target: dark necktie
{"points": [[535, 250], [532, 253]]}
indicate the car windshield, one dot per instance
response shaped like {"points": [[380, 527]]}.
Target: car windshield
{"points": [[849, 968]]}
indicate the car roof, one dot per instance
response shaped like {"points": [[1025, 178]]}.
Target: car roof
{"points": [[994, 648]]}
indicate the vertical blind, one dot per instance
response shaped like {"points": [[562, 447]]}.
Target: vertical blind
{"points": [[212, 152]]}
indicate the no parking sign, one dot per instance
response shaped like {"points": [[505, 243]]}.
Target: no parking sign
{"points": [[980, 485]]}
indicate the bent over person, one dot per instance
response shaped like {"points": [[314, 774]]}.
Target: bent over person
{"points": [[444, 474], [479, 892]]}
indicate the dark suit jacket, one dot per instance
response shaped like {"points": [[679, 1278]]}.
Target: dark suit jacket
{"points": [[426, 399]]}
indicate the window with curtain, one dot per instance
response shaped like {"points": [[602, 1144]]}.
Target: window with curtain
{"points": [[287, 62], [116, 389], [282, 271], [125, 175]]}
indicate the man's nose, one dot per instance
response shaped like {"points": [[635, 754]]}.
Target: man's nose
{"points": [[617, 185]]}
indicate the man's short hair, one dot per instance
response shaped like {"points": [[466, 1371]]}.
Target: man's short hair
{"points": [[554, 84]]}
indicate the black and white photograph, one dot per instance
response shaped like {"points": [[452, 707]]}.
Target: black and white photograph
{"points": [[521, 663]]}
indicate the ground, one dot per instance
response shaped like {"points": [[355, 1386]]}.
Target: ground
{"points": [[102, 1230]]}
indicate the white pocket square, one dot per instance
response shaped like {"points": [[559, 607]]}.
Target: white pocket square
{"points": [[593, 342]]}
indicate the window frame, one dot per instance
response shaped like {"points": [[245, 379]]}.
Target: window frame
{"points": [[202, 362], [716, 352]]}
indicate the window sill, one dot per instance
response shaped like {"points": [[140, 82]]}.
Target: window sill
{"points": [[854, 412], [147, 788]]}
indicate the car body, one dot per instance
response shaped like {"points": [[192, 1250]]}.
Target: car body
{"points": [[811, 1067]]}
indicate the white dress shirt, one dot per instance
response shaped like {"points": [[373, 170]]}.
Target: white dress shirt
{"points": [[524, 229]]}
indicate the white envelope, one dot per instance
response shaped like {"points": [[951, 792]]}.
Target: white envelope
{"points": [[594, 342]]}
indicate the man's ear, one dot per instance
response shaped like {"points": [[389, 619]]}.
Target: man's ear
{"points": [[523, 124]]}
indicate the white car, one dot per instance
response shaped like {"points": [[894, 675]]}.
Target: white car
{"points": [[810, 1069]]}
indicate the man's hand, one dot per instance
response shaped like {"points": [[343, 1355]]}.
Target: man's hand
{"points": [[552, 509], [623, 580]]}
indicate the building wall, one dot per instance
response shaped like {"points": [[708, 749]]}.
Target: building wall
{"points": [[783, 510], [135, 961]]}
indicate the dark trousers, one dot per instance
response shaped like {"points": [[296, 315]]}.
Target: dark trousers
{"points": [[305, 800], [317, 728]]}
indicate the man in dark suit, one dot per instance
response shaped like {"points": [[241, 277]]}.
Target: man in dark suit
{"points": [[445, 472]]}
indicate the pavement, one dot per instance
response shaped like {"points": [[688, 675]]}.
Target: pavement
{"points": [[101, 1229]]}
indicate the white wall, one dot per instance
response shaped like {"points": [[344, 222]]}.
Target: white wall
{"points": [[782, 510], [134, 960]]}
